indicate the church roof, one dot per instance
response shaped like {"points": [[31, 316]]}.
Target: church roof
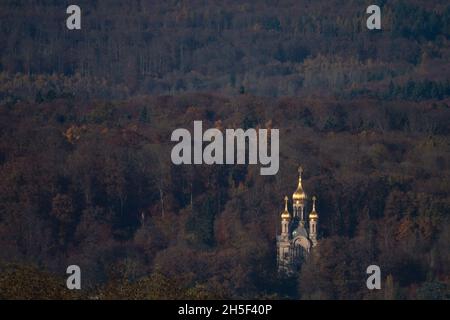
{"points": [[299, 194], [300, 231]]}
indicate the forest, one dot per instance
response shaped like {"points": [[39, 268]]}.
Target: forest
{"points": [[266, 48], [93, 184], [85, 124]]}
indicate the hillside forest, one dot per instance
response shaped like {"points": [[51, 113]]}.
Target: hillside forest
{"points": [[86, 118]]}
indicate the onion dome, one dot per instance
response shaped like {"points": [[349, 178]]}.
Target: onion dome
{"points": [[314, 215], [285, 215], [299, 195]]}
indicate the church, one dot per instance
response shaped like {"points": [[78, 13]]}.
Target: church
{"points": [[298, 236]]}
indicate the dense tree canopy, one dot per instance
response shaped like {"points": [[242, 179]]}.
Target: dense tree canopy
{"points": [[92, 183], [270, 48], [85, 124]]}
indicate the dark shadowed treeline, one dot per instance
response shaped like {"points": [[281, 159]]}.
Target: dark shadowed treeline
{"points": [[269, 48]]}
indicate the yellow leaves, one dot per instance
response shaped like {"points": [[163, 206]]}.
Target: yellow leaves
{"points": [[153, 287], [389, 288], [74, 133], [405, 228], [199, 292]]}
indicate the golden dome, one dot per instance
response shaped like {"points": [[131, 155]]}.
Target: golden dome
{"points": [[299, 194], [314, 215], [285, 215]]}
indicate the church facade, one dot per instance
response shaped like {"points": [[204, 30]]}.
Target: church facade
{"points": [[298, 235]]}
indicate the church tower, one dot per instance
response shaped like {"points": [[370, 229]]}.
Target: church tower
{"points": [[313, 220], [283, 243], [285, 218], [297, 236], [299, 197]]}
